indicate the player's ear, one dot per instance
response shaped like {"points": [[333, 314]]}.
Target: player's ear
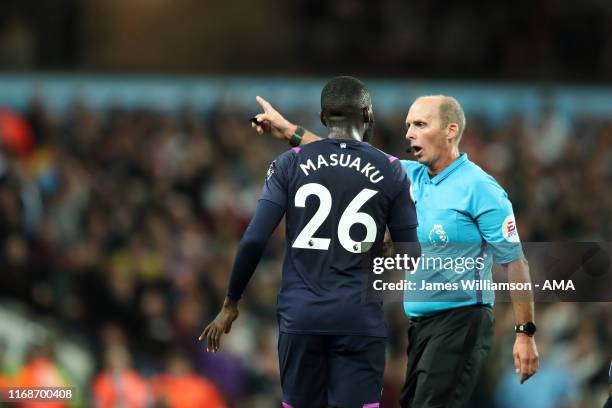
{"points": [[366, 115], [369, 132], [322, 117]]}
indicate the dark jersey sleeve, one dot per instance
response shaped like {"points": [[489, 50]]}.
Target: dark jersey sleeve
{"points": [[402, 214], [406, 242], [264, 222], [269, 212], [275, 187]]}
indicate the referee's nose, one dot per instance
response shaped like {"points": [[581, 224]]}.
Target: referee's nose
{"points": [[410, 136]]}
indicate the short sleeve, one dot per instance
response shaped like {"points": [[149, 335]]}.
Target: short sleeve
{"points": [[402, 212], [276, 184], [495, 219]]}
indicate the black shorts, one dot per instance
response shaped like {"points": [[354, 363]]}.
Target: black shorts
{"points": [[445, 354], [331, 370]]}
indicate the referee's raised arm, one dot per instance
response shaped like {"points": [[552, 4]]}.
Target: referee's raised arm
{"points": [[270, 121]]}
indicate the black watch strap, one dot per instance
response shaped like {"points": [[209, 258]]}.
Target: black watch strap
{"points": [[528, 328], [296, 137]]}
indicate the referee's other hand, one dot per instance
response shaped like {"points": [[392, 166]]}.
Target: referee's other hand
{"points": [[222, 324], [526, 358]]}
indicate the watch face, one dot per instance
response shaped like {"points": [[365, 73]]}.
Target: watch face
{"points": [[527, 328]]}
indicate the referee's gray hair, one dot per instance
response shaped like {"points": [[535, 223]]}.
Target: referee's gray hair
{"points": [[452, 112]]}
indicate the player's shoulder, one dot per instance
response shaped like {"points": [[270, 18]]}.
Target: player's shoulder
{"points": [[384, 161], [288, 156], [389, 157], [379, 155], [283, 162], [392, 162]]}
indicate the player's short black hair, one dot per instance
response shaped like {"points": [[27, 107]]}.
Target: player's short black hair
{"points": [[343, 100]]}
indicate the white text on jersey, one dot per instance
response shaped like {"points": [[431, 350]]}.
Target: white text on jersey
{"points": [[343, 160]]}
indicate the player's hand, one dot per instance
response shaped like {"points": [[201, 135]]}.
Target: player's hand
{"points": [[272, 122], [526, 358], [222, 324]]}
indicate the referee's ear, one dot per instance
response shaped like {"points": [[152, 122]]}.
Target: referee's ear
{"points": [[452, 132], [322, 117]]}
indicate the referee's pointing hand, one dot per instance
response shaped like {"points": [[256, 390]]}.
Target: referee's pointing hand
{"points": [[526, 358], [270, 121], [222, 324]]}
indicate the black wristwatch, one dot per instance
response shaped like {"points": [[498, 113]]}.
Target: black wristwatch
{"points": [[528, 328], [296, 137]]}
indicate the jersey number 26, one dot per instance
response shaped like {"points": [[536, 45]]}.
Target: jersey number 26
{"points": [[350, 216]]}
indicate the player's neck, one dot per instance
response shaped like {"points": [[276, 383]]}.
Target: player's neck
{"points": [[344, 133], [443, 162]]}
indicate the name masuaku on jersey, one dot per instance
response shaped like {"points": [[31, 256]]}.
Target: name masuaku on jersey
{"points": [[343, 160]]}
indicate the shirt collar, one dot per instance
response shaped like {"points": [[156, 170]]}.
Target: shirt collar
{"points": [[463, 158]]}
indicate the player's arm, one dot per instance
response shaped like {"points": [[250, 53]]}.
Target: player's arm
{"points": [[402, 220], [272, 122], [253, 243], [269, 212], [495, 218], [405, 242]]}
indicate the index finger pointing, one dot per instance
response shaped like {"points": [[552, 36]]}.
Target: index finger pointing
{"points": [[264, 104]]}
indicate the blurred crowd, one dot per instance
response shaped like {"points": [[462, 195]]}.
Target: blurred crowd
{"points": [[121, 226], [522, 39], [541, 39]]}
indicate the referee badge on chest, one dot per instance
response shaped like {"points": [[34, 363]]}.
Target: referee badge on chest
{"points": [[438, 237]]}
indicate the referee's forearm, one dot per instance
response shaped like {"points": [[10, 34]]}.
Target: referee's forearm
{"points": [[522, 300]]}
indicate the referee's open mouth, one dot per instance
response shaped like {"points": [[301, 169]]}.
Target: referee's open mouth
{"points": [[416, 150]]}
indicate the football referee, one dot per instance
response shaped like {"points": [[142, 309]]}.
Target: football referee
{"points": [[456, 202]]}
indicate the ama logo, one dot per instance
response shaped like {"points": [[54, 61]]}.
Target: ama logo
{"points": [[509, 230]]}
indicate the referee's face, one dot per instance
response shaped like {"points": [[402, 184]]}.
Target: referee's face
{"points": [[425, 134]]}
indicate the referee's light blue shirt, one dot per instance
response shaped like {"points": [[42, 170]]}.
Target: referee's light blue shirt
{"points": [[463, 213]]}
